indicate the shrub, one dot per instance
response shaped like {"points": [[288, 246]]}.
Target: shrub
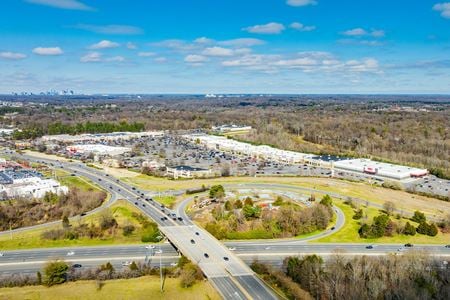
{"points": [[409, 229], [55, 272], [326, 200], [358, 214], [419, 217], [128, 230], [216, 191]]}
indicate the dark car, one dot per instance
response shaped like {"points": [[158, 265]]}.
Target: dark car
{"points": [[192, 241], [196, 233], [162, 219], [180, 219], [76, 266], [333, 228], [206, 255], [369, 247], [409, 245], [82, 214], [143, 205], [99, 179], [136, 203], [447, 246], [225, 258], [133, 188]]}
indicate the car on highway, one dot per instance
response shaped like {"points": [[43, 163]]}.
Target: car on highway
{"points": [[369, 247], [99, 179], [333, 228], [135, 203], [126, 263], [143, 205], [232, 248], [401, 249], [70, 253], [82, 214], [180, 219], [226, 258], [150, 247], [192, 241], [174, 264], [76, 266], [2, 254], [409, 245], [206, 255], [447, 246]]}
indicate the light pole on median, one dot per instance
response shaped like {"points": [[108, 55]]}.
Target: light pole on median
{"points": [[159, 237]]}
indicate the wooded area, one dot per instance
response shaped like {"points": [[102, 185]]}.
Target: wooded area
{"points": [[413, 130]]}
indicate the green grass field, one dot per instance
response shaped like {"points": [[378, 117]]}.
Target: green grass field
{"points": [[373, 194], [137, 288], [349, 233], [166, 200], [65, 178], [121, 210]]}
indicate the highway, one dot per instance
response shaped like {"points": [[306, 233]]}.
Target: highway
{"points": [[31, 261], [223, 264], [230, 275]]}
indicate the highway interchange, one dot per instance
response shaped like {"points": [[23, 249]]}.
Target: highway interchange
{"points": [[222, 264]]}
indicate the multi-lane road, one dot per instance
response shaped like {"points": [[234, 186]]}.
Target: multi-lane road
{"points": [[229, 274], [30, 261], [223, 264]]}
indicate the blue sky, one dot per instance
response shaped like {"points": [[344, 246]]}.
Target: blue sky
{"points": [[225, 46]]}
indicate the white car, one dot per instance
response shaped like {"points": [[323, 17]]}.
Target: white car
{"points": [[174, 264], [70, 253], [126, 263], [1, 254], [150, 247], [232, 248]]}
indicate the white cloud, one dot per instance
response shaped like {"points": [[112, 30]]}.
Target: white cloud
{"points": [[301, 2], [131, 46], [63, 4], [48, 51], [176, 44], [300, 27], [160, 59], [269, 28], [310, 61], [377, 33], [12, 55], [146, 54], [355, 32], [444, 8], [242, 42], [217, 51], [195, 59], [98, 57], [115, 59], [91, 57], [204, 40], [105, 44], [111, 29]]}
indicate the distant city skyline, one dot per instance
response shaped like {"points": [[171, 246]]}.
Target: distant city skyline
{"points": [[207, 46]]}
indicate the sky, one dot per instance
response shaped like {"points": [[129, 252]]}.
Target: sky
{"points": [[225, 46]]}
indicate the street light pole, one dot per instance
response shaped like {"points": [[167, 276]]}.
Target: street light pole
{"points": [[160, 262]]}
